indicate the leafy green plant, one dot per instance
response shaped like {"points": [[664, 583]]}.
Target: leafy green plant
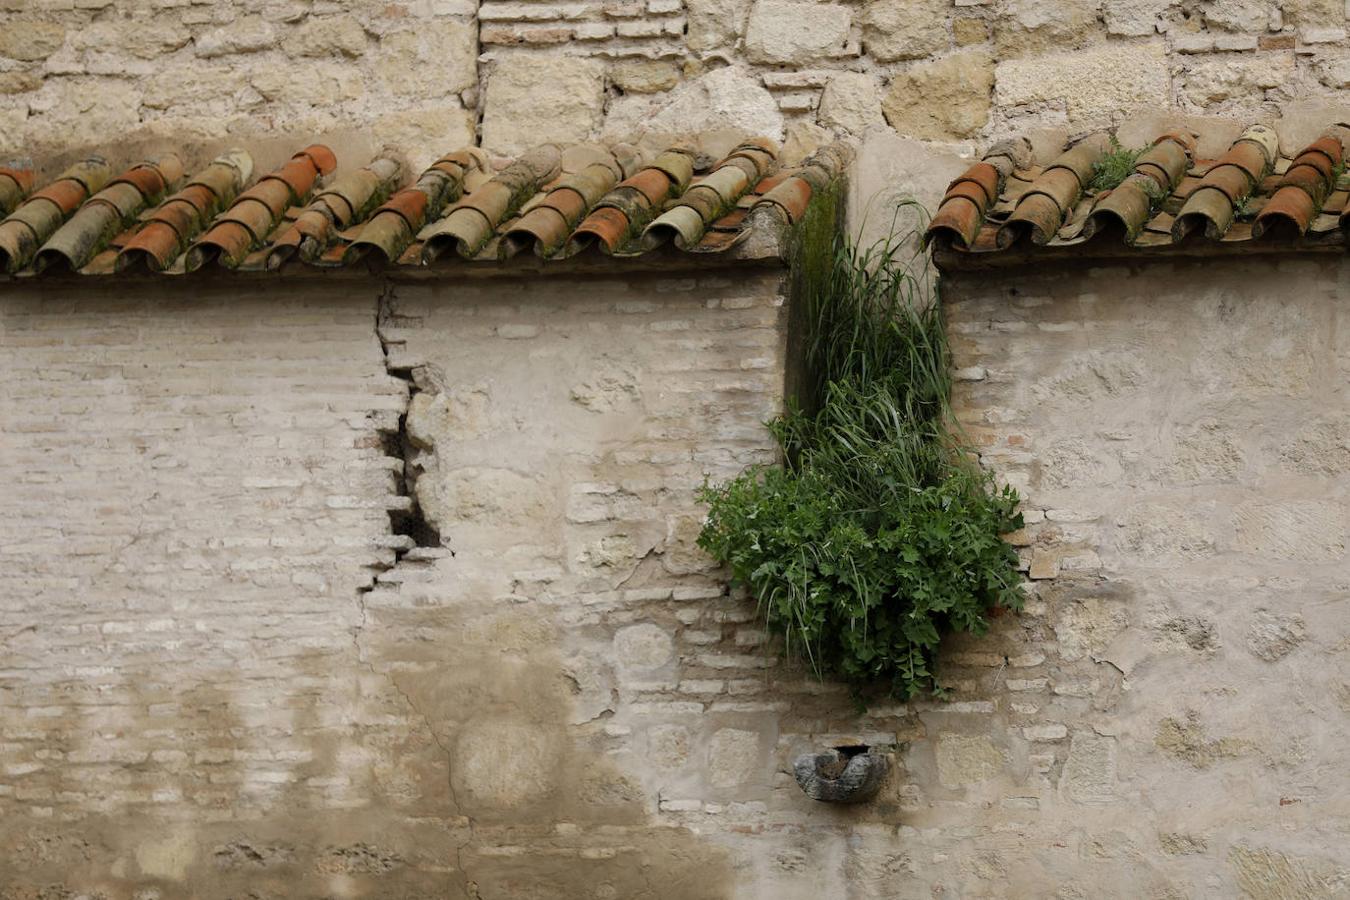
{"points": [[880, 532], [1114, 166]]}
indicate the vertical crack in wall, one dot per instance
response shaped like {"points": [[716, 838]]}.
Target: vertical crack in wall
{"points": [[407, 520], [411, 531]]}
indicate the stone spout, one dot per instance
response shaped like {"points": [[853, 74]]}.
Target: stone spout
{"points": [[840, 776]]}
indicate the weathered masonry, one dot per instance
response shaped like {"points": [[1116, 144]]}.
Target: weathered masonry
{"points": [[349, 517], [1161, 367]]}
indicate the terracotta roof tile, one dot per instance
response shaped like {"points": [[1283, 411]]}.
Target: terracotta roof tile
{"points": [[709, 197], [15, 185], [1043, 207], [551, 203], [1124, 210], [974, 194], [1301, 190], [104, 215], [347, 200], [256, 212], [394, 225], [1170, 202], [37, 218], [169, 229]]}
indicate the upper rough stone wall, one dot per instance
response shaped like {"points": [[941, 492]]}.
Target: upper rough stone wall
{"points": [[431, 75], [89, 72]]}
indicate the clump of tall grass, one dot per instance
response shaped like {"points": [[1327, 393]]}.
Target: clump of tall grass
{"points": [[879, 532]]}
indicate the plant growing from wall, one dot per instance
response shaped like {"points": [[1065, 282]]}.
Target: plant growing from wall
{"points": [[879, 532], [1114, 166]]}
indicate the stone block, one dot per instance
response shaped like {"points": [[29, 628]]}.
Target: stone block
{"points": [[644, 76], [703, 104], [851, 102], [904, 29], [30, 40], [1241, 15], [644, 646], [1135, 18], [1090, 770], [1305, 531], [1210, 81], [504, 765], [943, 100], [530, 99], [734, 758], [967, 31], [248, 35], [1030, 27], [715, 23], [1087, 82], [436, 57], [967, 759], [796, 32], [1272, 637], [327, 36], [1086, 627]]}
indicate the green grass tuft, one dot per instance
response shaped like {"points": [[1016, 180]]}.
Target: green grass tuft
{"points": [[880, 532], [1114, 167]]}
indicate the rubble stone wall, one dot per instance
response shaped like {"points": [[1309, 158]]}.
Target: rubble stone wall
{"points": [[429, 75]]}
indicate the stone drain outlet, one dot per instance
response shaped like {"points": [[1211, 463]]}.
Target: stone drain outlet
{"points": [[841, 774]]}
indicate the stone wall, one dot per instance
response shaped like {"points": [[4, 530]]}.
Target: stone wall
{"points": [[1169, 709], [430, 75], [237, 660]]}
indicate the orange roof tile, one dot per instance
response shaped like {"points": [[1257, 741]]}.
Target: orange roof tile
{"points": [[552, 203], [1004, 209]]}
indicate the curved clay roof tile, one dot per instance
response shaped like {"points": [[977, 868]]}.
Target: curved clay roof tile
{"points": [[35, 220], [106, 213], [1047, 203], [473, 221], [341, 204], [257, 211], [1302, 190], [1213, 205], [1125, 209], [394, 226], [172, 226]]}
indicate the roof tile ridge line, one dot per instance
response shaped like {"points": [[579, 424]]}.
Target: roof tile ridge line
{"points": [[711, 197], [473, 220], [164, 235], [39, 216], [1303, 189], [788, 200], [546, 226], [1042, 209], [1156, 173], [1221, 190], [626, 209], [105, 214], [21, 178], [257, 211], [969, 196], [393, 227], [343, 202]]}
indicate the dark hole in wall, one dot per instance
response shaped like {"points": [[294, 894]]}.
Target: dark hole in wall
{"points": [[848, 751], [408, 521]]}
